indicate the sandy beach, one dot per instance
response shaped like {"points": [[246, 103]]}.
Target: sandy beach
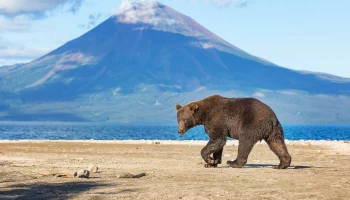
{"points": [[174, 170]]}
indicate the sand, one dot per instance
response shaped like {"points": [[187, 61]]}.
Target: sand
{"points": [[173, 170]]}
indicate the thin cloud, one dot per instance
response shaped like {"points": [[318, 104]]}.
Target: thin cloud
{"points": [[258, 94], [3, 43], [226, 3], [11, 51], [7, 61], [75, 6], [15, 53], [201, 88], [157, 103], [17, 24], [93, 19], [37, 9], [18, 54]]}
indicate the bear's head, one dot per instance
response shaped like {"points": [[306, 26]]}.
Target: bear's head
{"points": [[186, 118]]}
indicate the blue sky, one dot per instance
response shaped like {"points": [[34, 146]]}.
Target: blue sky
{"points": [[311, 35]]}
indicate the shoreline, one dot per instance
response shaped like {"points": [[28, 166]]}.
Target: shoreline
{"points": [[338, 145], [175, 142]]}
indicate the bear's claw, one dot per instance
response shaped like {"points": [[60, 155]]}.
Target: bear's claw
{"points": [[210, 166]]}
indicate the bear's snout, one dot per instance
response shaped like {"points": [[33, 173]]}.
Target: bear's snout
{"points": [[181, 130]]}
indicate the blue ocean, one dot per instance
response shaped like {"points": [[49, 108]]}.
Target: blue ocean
{"points": [[87, 131]]}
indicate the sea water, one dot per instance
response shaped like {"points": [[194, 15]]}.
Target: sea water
{"points": [[87, 131]]}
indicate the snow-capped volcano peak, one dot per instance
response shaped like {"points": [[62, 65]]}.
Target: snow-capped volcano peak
{"points": [[146, 12], [154, 15]]}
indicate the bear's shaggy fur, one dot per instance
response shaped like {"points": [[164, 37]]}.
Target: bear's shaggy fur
{"points": [[245, 119]]}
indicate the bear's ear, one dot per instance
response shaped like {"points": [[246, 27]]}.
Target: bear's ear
{"points": [[194, 107], [178, 107]]}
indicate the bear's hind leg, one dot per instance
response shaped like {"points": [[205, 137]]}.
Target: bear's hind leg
{"points": [[278, 146], [244, 148]]}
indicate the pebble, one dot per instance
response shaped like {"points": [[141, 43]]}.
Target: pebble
{"points": [[129, 175], [92, 168], [82, 174]]}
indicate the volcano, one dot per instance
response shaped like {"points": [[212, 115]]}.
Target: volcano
{"points": [[135, 65]]}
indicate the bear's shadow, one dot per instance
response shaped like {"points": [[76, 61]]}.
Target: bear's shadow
{"points": [[270, 166]]}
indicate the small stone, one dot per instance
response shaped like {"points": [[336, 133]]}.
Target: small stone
{"points": [[157, 143], [92, 168], [129, 175], [82, 174]]}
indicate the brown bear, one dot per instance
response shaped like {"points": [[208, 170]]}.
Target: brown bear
{"points": [[246, 119]]}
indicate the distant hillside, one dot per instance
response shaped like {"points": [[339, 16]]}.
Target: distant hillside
{"points": [[135, 71]]}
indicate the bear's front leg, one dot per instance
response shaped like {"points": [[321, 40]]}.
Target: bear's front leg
{"points": [[215, 147], [217, 157]]}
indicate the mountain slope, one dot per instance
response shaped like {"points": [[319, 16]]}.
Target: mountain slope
{"points": [[165, 51]]}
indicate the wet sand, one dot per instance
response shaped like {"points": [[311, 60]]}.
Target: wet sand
{"points": [[174, 170]]}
